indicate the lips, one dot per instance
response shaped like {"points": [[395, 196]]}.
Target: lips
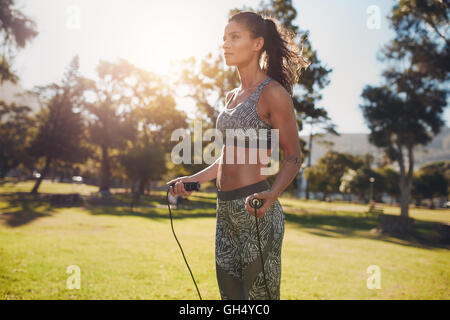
{"points": [[227, 54]]}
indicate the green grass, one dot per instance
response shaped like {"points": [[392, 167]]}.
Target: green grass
{"points": [[327, 249]]}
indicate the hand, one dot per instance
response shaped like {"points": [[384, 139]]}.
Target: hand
{"points": [[268, 199], [179, 186]]}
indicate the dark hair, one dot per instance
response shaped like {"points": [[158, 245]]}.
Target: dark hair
{"points": [[282, 58]]}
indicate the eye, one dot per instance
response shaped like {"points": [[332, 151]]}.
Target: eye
{"points": [[233, 37]]}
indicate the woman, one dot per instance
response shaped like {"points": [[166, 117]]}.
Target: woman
{"points": [[263, 101]]}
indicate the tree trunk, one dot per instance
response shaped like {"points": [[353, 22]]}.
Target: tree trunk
{"points": [[48, 161], [106, 172], [142, 183], [401, 225], [396, 225], [404, 198], [149, 187], [406, 183]]}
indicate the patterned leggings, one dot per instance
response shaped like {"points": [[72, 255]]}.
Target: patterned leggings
{"points": [[238, 262]]}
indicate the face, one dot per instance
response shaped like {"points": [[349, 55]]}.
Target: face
{"points": [[238, 45]]}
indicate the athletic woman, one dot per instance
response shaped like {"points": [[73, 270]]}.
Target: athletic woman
{"points": [[263, 101]]}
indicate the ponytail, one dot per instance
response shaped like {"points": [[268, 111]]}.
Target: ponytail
{"points": [[282, 59]]}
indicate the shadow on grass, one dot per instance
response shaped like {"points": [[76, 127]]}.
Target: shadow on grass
{"points": [[321, 223], [350, 224], [153, 206], [23, 208], [161, 212], [5, 181]]}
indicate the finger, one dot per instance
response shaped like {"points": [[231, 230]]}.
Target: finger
{"points": [[247, 202], [180, 187], [263, 210], [172, 181], [252, 211], [182, 190]]}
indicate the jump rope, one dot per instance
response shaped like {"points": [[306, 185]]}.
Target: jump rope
{"points": [[254, 203]]}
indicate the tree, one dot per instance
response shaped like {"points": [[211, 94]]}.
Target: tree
{"points": [[422, 27], [431, 180], [438, 166], [110, 123], [317, 179], [326, 177], [61, 133], [15, 31], [406, 111], [154, 109], [392, 179], [361, 184], [15, 124], [429, 185]]}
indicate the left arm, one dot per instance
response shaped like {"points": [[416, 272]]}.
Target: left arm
{"points": [[282, 117]]}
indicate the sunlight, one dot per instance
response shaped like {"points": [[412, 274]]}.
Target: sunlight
{"points": [[153, 42]]}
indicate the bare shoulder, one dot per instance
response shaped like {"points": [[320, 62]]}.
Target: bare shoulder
{"points": [[276, 97]]}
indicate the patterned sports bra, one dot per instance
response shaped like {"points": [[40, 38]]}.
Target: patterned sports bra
{"points": [[248, 128]]}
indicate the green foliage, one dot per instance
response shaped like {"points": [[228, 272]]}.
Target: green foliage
{"points": [[407, 109], [15, 127], [61, 134], [361, 183], [16, 30], [432, 180], [422, 29], [326, 175], [392, 181]]}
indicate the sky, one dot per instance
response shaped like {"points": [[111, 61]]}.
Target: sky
{"points": [[347, 35]]}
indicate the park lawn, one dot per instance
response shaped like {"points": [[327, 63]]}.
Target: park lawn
{"points": [[124, 255]]}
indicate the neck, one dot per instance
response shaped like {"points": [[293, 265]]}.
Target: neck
{"points": [[250, 76]]}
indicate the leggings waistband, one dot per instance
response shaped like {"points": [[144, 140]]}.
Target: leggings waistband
{"points": [[243, 191]]}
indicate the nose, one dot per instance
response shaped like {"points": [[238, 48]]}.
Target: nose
{"points": [[225, 45]]}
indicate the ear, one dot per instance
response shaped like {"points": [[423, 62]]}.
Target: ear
{"points": [[259, 43]]}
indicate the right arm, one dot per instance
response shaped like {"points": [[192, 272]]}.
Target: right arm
{"points": [[203, 176], [207, 174]]}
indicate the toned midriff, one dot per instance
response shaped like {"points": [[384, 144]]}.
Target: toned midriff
{"points": [[233, 175]]}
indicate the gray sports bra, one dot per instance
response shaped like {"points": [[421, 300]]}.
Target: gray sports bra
{"points": [[244, 117]]}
